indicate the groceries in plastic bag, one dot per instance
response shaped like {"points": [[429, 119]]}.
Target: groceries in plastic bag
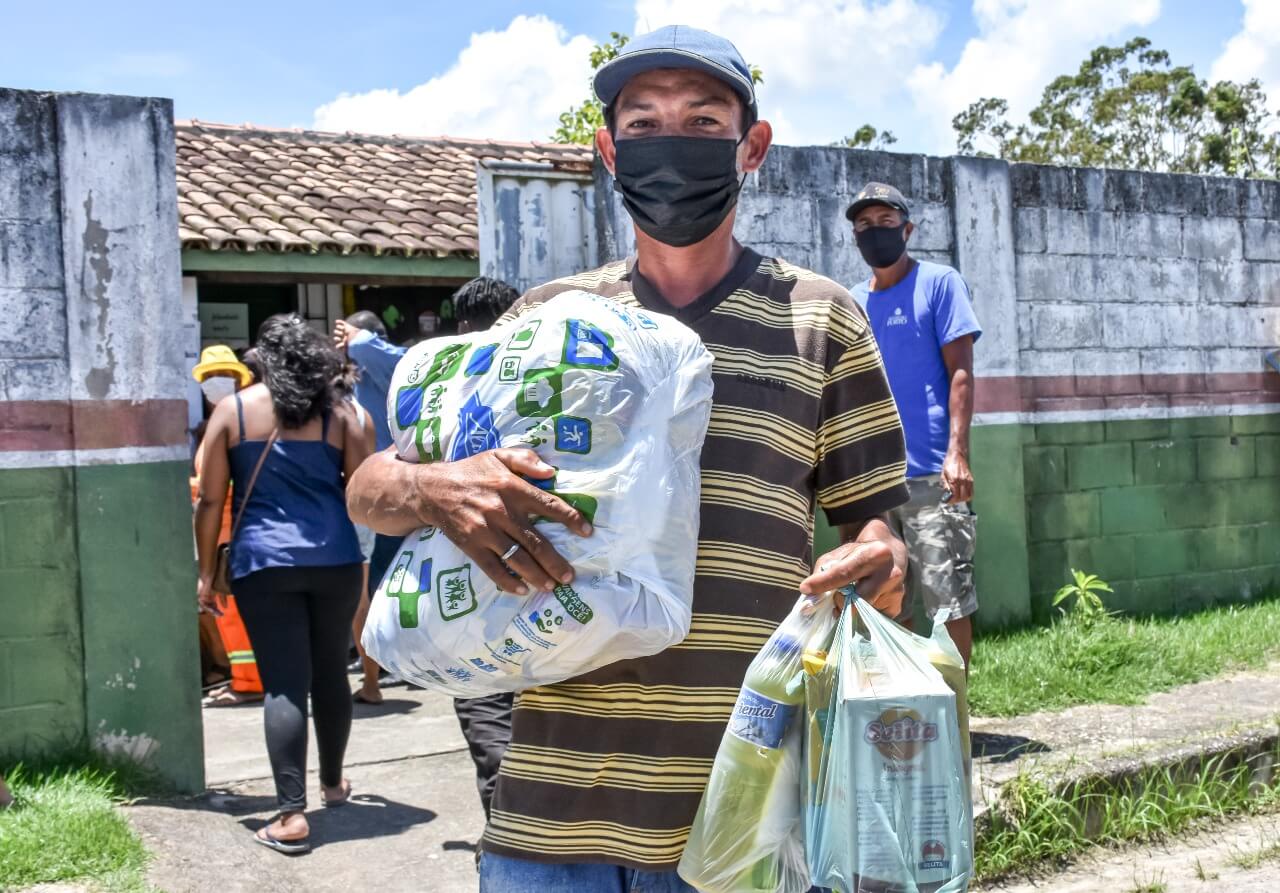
{"points": [[887, 807], [746, 837], [616, 400]]}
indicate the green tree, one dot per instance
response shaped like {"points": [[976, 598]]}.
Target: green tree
{"points": [[867, 137], [580, 123], [1131, 107]]}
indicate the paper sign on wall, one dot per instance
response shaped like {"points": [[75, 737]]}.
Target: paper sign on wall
{"points": [[224, 324]]}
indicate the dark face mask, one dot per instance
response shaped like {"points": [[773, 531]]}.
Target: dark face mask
{"points": [[678, 189], [881, 246]]}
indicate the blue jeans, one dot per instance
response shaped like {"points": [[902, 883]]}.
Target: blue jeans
{"points": [[502, 874]]}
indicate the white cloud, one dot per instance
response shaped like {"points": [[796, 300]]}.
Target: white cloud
{"points": [[509, 84], [831, 64], [1021, 45], [1255, 51]]}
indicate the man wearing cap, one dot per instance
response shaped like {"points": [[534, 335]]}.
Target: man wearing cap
{"points": [[604, 772], [925, 326]]}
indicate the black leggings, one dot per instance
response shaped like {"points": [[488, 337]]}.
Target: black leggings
{"points": [[299, 621]]}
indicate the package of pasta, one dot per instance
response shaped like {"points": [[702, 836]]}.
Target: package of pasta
{"points": [[617, 401]]}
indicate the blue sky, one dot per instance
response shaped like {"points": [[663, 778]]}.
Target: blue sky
{"points": [[419, 68]]}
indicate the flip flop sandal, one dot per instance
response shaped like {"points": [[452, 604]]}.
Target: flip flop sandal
{"points": [[231, 698], [359, 698], [286, 847], [341, 801]]}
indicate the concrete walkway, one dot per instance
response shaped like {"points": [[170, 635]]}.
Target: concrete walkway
{"points": [[415, 815], [412, 823]]}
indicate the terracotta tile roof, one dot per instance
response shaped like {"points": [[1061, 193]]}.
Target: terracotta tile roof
{"points": [[254, 189]]}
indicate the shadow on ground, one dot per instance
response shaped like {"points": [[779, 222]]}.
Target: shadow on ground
{"points": [[365, 816], [388, 707], [1003, 748]]}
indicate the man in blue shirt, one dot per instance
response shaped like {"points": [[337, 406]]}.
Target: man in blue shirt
{"points": [[925, 327], [364, 337]]}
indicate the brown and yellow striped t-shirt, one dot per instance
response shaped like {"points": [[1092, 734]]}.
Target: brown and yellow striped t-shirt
{"points": [[609, 767]]}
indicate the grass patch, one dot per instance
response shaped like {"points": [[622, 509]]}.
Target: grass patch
{"points": [[1251, 860], [1117, 660], [64, 825], [1034, 824], [1156, 885]]}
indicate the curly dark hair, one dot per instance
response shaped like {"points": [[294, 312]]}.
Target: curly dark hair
{"points": [[303, 371], [482, 300]]}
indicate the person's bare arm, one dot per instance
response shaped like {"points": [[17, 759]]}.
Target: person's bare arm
{"points": [[215, 481], [481, 504], [357, 441], [872, 558], [956, 475]]}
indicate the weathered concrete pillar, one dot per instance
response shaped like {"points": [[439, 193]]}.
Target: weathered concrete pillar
{"points": [[93, 449], [126, 365], [984, 252]]}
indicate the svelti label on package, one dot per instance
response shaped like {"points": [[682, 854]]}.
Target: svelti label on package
{"points": [[760, 720]]}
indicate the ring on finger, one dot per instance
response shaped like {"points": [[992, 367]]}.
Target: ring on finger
{"points": [[515, 547]]}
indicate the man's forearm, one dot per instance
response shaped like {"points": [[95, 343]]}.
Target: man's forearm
{"points": [[961, 408], [380, 494]]}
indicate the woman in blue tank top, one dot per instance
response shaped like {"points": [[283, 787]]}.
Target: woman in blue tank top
{"points": [[295, 559]]}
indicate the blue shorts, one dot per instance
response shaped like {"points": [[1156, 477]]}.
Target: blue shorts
{"points": [[503, 874]]}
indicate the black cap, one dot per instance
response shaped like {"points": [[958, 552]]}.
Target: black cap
{"points": [[878, 194]]}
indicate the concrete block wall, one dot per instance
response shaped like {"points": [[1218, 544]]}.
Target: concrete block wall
{"points": [[1149, 289], [41, 659], [793, 207], [1127, 423], [1146, 306], [98, 639], [1175, 513]]}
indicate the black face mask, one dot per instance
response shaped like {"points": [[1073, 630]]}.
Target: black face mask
{"points": [[678, 189], [881, 246]]}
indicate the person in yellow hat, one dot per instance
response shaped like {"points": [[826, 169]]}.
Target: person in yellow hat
{"points": [[220, 374]]}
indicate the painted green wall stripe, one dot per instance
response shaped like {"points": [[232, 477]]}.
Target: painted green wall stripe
{"points": [[137, 586]]}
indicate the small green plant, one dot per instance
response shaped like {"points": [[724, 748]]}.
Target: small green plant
{"points": [[1086, 605], [1202, 875], [1155, 884]]}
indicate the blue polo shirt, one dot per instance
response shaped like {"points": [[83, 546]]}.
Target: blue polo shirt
{"points": [[912, 320], [377, 358]]}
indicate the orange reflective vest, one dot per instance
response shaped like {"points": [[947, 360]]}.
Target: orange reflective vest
{"points": [[235, 638]]}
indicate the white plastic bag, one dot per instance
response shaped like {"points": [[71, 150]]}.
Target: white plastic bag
{"points": [[617, 401], [747, 837], [887, 807]]}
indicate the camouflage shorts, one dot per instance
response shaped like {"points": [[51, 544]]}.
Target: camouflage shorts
{"points": [[940, 540]]}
